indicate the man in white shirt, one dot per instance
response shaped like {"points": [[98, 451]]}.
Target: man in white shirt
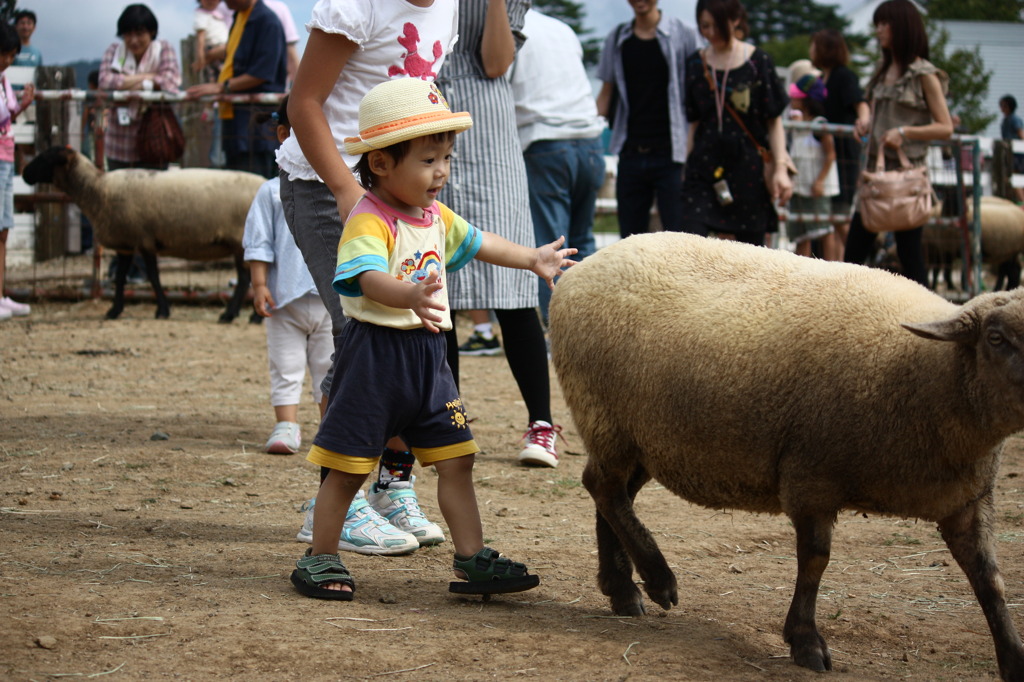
{"points": [[559, 130]]}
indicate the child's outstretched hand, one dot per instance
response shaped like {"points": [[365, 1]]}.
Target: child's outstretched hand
{"points": [[552, 259], [424, 303], [27, 95]]}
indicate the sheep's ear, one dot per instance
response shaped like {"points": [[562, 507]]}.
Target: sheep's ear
{"points": [[945, 330]]}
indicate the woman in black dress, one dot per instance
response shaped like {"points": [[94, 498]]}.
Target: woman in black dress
{"points": [[734, 100], [844, 103]]}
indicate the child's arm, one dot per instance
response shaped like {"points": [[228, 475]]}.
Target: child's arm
{"points": [[200, 60], [546, 261], [828, 148], [27, 95], [262, 299], [417, 297]]}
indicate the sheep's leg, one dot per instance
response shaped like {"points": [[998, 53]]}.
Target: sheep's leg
{"points": [[123, 262], [623, 541], [615, 568], [235, 304], [1013, 274], [813, 547], [968, 534], [163, 307]]}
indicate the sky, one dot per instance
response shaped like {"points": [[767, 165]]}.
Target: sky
{"points": [[70, 30]]}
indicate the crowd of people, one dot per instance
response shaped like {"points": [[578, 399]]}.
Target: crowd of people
{"points": [[436, 156]]}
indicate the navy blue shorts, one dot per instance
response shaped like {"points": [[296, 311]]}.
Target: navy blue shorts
{"points": [[391, 382]]}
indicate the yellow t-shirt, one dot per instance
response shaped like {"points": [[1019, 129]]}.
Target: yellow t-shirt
{"points": [[377, 237]]}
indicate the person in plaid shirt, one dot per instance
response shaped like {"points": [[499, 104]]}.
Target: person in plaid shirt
{"points": [[136, 62]]}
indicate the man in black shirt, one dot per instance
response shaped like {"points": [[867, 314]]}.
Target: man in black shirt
{"points": [[643, 74]]}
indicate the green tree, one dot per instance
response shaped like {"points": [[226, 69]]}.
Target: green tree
{"points": [[782, 20], [976, 10], [7, 10], [968, 79], [573, 14]]}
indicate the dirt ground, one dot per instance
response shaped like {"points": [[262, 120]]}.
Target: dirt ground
{"points": [[125, 557]]}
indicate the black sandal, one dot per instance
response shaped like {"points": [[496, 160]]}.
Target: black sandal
{"points": [[312, 570], [487, 572]]}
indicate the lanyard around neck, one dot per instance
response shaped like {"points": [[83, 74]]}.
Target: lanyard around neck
{"points": [[720, 96]]}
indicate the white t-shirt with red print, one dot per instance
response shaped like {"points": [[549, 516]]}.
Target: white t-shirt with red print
{"points": [[396, 39]]}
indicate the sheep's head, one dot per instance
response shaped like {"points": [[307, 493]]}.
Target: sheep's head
{"points": [[45, 165], [990, 331]]}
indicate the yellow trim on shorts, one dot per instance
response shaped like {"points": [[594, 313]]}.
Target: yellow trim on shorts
{"points": [[366, 465], [428, 456], [344, 463]]}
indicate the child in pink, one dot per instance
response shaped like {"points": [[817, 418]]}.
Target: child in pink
{"points": [[10, 107]]}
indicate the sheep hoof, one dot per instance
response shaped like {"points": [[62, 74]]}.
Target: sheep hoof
{"points": [[226, 318], [113, 314], [665, 599], [162, 314], [631, 605], [812, 655]]}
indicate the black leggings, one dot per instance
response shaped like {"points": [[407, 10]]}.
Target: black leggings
{"points": [[860, 244], [527, 355]]}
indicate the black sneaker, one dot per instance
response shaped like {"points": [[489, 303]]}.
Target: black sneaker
{"points": [[479, 345]]}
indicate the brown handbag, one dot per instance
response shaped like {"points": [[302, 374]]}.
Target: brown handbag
{"points": [[891, 201], [161, 140]]}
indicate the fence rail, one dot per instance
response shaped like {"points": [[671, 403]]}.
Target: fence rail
{"points": [[962, 170]]}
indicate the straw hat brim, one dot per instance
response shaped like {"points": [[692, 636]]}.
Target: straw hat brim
{"points": [[409, 128]]}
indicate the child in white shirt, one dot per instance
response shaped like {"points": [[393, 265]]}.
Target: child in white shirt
{"points": [[814, 155], [298, 324], [210, 22]]}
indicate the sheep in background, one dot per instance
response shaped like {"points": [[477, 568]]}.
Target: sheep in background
{"points": [[1002, 242], [1002, 238], [743, 377], [196, 214]]}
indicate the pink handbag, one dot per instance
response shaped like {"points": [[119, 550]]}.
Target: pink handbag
{"points": [[890, 201]]}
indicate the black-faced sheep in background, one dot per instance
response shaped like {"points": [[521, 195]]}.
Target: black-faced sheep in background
{"points": [[748, 378], [195, 214], [1002, 242]]}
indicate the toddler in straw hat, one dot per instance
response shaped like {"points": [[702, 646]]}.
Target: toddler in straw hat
{"points": [[393, 378]]}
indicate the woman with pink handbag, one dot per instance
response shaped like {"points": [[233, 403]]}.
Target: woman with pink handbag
{"points": [[907, 95]]}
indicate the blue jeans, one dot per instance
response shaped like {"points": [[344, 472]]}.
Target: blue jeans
{"points": [[641, 179], [564, 177]]}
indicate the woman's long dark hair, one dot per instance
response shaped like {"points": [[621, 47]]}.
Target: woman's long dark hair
{"points": [[908, 39]]}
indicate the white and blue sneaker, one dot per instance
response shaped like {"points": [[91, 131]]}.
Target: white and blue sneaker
{"points": [[365, 531], [399, 505]]}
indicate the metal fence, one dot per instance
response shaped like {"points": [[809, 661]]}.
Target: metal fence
{"points": [[64, 262]]}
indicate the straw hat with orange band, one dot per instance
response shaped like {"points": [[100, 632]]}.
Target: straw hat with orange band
{"points": [[400, 110]]}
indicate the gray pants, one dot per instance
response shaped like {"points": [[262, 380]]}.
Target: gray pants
{"points": [[311, 212]]}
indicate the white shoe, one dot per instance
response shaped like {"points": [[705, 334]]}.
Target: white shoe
{"points": [[14, 308], [540, 445], [365, 531], [5, 314], [286, 439], [399, 505]]}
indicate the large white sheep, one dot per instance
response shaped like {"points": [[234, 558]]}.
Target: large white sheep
{"points": [[196, 214], [742, 377]]}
